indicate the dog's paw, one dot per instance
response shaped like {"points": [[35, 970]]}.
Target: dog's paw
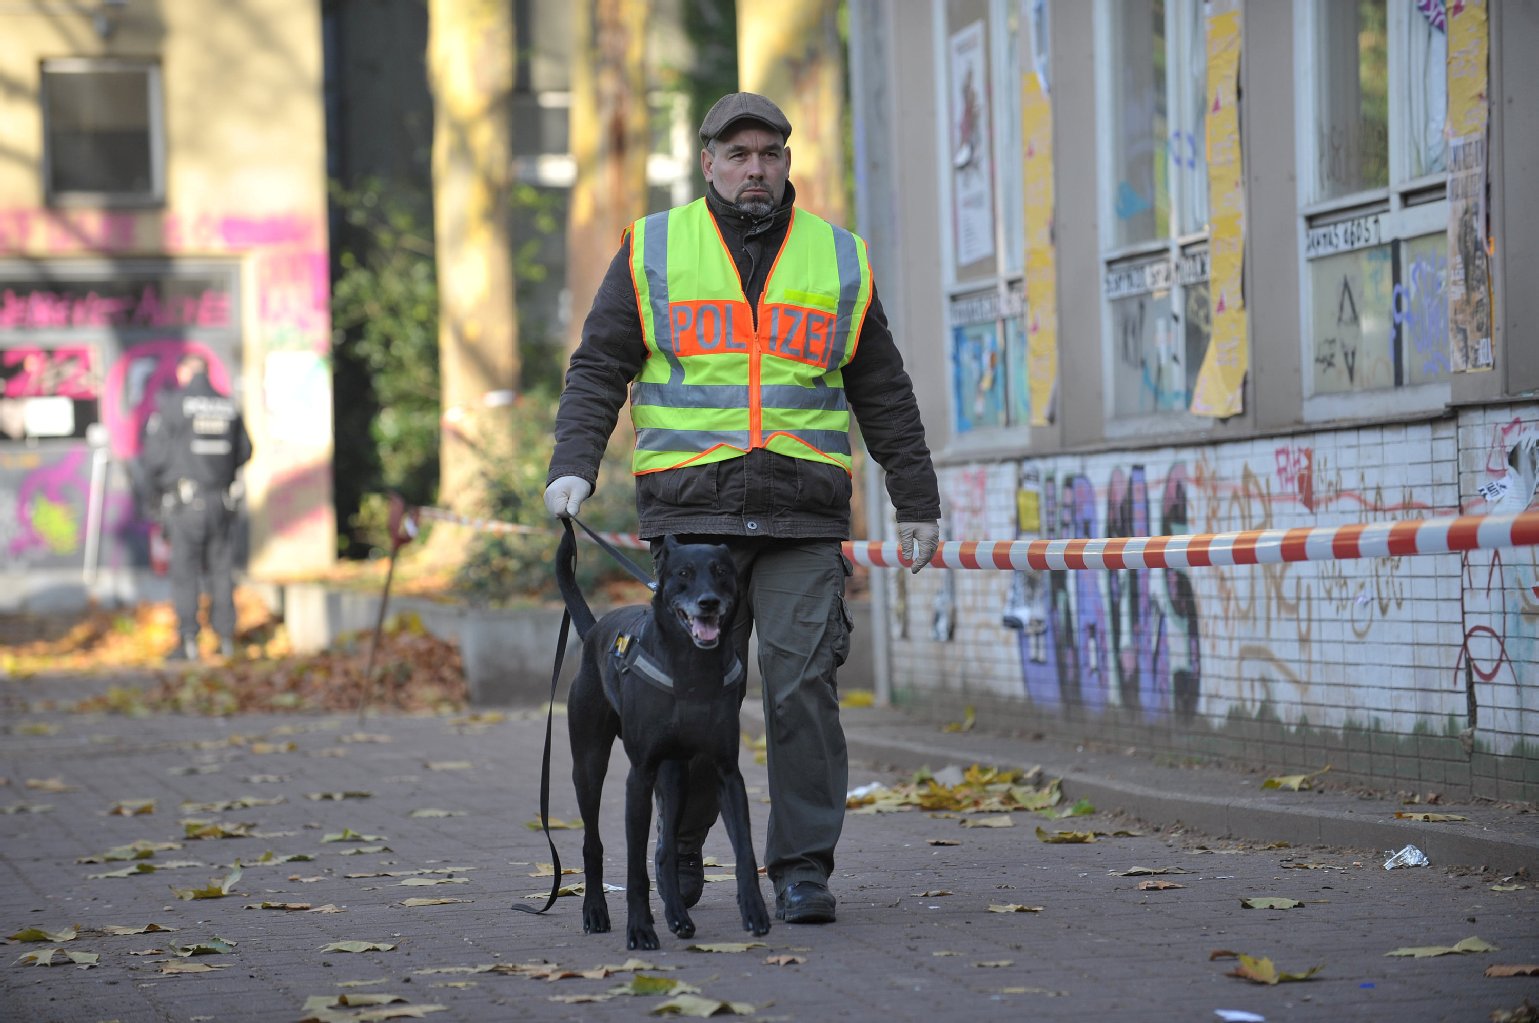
{"points": [[641, 936], [755, 917], [595, 919], [683, 927]]}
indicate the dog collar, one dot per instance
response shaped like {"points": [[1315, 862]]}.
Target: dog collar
{"points": [[627, 650]]}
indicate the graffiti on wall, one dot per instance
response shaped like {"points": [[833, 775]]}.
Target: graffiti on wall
{"points": [[1138, 639], [118, 334]]}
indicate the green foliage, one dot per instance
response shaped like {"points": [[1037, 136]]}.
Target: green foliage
{"points": [[385, 322], [502, 568], [385, 343]]}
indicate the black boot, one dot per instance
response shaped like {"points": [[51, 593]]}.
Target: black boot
{"points": [[691, 873], [805, 902]]}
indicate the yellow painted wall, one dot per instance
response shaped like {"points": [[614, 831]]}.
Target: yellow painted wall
{"points": [[245, 187]]}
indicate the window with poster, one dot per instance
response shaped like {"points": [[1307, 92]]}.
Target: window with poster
{"points": [[1373, 173], [1152, 89], [981, 61]]}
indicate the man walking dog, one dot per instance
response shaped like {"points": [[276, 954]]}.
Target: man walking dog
{"points": [[748, 331]]}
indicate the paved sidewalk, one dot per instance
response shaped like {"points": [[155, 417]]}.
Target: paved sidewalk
{"points": [[915, 938]]}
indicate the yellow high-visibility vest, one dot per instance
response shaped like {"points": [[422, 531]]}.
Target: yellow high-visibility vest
{"points": [[713, 387]]}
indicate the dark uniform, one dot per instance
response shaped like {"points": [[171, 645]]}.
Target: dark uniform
{"points": [[194, 442]]}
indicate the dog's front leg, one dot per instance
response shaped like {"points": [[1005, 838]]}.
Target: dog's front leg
{"points": [[639, 932], [672, 777], [734, 814]]}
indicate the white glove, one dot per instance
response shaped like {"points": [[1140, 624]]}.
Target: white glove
{"points": [[917, 541], [566, 495]]}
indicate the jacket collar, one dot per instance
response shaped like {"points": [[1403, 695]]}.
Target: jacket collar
{"points": [[738, 222]]}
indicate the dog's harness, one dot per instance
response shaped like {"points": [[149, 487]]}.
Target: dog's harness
{"points": [[627, 651]]}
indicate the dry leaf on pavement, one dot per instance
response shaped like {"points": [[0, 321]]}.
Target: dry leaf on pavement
{"points": [[695, 1005], [1433, 817], [1464, 947], [1294, 782], [1270, 903], [1513, 970], [1158, 885], [357, 946], [1261, 970], [1063, 837]]}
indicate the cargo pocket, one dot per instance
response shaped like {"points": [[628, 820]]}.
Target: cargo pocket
{"points": [[842, 626]]}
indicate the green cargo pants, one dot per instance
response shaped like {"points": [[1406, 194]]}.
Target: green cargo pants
{"points": [[791, 595]]}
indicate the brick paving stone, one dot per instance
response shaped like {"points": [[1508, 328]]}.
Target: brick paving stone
{"points": [[1099, 949]]}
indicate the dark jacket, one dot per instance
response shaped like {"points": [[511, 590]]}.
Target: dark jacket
{"points": [[195, 434], [762, 493]]}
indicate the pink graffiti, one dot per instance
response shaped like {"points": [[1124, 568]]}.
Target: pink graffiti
{"points": [[262, 232], [125, 414], [299, 498], [1295, 474], [91, 230], [40, 310], [60, 483], [293, 287], [33, 372], [1483, 601]]}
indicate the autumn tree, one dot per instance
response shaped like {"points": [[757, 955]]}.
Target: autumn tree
{"points": [[470, 75], [791, 52], [610, 140]]}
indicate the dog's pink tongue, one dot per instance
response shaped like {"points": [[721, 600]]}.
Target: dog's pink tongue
{"points": [[704, 631]]}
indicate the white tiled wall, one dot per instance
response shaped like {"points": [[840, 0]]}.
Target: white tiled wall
{"points": [[1377, 643]]}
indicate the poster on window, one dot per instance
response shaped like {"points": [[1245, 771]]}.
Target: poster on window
{"points": [[972, 175], [1221, 380], [978, 373], [1469, 268], [1041, 255]]}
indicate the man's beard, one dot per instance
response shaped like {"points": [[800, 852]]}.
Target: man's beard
{"points": [[755, 207]]}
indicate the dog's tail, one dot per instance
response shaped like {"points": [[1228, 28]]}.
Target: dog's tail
{"points": [[566, 580]]}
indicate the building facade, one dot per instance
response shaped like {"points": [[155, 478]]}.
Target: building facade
{"points": [[1208, 267], [163, 189]]}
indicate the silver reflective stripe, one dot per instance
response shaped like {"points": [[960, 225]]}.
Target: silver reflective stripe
{"points": [[690, 395], [211, 447], [654, 259], [834, 442], [653, 438], [653, 672], [820, 397], [847, 253]]}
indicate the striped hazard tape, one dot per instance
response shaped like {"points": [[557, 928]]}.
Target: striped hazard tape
{"points": [[414, 515], [1245, 547]]}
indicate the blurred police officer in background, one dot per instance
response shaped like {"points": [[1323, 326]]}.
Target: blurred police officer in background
{"points": [[194, 442]]}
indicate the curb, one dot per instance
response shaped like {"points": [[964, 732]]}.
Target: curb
{"points": [[1212, 801]]}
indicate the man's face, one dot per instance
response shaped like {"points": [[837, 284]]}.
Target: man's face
{"points": [[749, 168]]}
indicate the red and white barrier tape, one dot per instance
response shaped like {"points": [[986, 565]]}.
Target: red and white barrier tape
{"points": [[498, 526], [1245, 547]]}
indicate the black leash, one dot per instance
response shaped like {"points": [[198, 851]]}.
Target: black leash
{"points": [[645, 578], [565, 552]]}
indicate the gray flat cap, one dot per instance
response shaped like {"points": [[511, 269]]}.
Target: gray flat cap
{"points": [[742, 106]]}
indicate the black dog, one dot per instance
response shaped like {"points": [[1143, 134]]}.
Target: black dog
{"points": [[660, 677]]}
